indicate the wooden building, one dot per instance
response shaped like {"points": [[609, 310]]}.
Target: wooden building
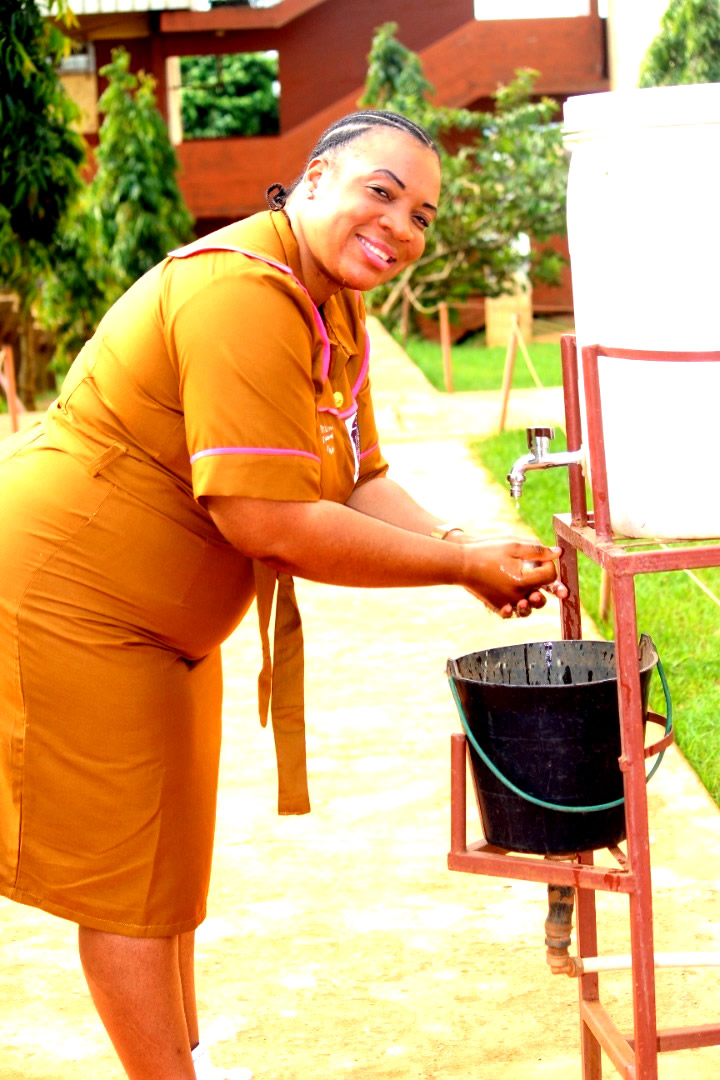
{"points": [[322, 48]]}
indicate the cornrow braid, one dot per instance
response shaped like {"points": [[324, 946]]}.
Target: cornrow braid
{"points": [[345, 131]]}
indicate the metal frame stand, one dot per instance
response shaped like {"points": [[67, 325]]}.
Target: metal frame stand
{"points": [[634, 1057]]}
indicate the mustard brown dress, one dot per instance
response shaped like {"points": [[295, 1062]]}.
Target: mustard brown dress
{"points": [[215, 374]]}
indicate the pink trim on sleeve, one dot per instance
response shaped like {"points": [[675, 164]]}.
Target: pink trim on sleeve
{"points": [[197, 247], [264, 450], [366, 453]]}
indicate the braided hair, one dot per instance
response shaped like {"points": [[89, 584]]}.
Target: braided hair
{"points": [[345, 131]]}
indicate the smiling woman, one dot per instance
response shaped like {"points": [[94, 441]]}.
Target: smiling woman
{"points": [[214, 437], [360, 210]]}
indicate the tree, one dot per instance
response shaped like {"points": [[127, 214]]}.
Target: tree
{"points": [[508, 179], [687, 48], [135, 190], [40, 155], [229, 95], [126, 220], [80, 285]]}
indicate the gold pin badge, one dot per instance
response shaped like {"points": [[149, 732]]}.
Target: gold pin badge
{"points": [[338, 399]]}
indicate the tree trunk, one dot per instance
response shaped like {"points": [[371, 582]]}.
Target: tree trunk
{"points": [[27, 375]]}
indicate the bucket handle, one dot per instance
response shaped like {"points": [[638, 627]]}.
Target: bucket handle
{"points": [[658, 747]]}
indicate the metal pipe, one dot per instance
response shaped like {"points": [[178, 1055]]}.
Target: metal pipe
{"points": [[558, 928], [587, 964], [539, 457]]}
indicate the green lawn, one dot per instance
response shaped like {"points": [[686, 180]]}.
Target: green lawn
{"points": [[683, 622], [476, 367]]}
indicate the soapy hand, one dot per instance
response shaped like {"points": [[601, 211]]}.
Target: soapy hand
{"points": [[511, 575]]}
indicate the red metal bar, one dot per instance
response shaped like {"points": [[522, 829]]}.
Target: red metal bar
{"points": [[652, 562], [458, 796], [588, 985], [661, 354], [596, 442], [636, 818], [687, 1038], [570, 610], [612, 554], [613, 1042], [482, 858], [573, 426]]}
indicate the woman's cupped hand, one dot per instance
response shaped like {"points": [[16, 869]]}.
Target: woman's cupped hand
{"points": [[510, 575]]}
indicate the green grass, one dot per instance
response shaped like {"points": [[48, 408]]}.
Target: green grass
{"points": [[476, 367], [683, 622]]}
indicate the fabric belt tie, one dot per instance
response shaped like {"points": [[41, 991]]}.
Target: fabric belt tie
{"points": [[281, 685]]}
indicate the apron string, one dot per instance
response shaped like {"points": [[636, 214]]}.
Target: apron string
{"points": [[281, 685]]}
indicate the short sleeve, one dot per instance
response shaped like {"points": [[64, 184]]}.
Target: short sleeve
{"points": [[244, 347]]}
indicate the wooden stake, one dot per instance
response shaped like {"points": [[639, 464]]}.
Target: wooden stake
{"points": [[404, 317], [526, 354], [605, 603], [445, 345], [509, 369], [7, 381]]}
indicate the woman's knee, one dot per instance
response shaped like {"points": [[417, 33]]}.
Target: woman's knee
{"points": [[118, 959]]}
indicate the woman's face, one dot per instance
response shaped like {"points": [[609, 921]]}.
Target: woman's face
{"points": [[360, 216]]}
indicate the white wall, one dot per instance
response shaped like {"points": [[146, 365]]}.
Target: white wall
{"points": [[530, 9], [632, 25]]}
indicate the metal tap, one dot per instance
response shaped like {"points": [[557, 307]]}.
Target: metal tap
{"points": [[538, 440]]}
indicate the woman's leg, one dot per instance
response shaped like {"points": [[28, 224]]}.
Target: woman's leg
{"points": [[204, 1069], [135, 985], [186, 961]]}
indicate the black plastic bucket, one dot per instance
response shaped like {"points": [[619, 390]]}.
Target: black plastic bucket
{"points": [[546, 717]]}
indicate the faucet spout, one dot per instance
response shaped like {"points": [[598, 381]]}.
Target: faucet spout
{"points": [[539, 457]]}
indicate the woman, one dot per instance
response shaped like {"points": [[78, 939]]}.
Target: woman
{"points": [[215, 434]]}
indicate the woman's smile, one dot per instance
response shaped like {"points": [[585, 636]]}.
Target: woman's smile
{"points": [[378, 253]]}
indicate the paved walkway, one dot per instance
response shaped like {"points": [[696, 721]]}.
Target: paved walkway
{"points": [[337, 944]]}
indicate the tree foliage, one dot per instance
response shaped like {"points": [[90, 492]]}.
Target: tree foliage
{"points": [[229, 95], [126, 220], [40, 154], [40, 157], [81, 283], [135, 189], [507, 179], [687, 48]]}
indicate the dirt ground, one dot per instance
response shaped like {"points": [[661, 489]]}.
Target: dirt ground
{"points": [[338, 946]]}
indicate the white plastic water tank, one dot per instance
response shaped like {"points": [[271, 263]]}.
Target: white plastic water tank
{"points": [[644, 236]]}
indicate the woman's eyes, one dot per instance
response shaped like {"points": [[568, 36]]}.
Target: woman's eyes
{"points": [[385, 194]]}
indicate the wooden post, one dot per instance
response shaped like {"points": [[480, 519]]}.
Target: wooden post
{"points": [[605, 604], [445, 345], [7, 381], [404, 317], [510, 355], [27, 375]]}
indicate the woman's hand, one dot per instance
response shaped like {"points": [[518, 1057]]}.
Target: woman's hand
{"points": [[508, 574]]}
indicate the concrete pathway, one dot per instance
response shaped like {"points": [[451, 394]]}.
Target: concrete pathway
{"points": [[338, 945]]}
